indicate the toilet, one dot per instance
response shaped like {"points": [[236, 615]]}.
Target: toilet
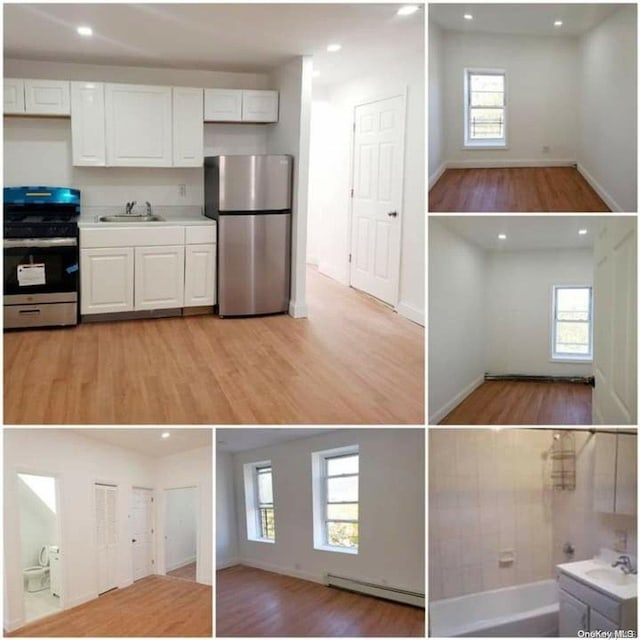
{"points": [[37, 578]]}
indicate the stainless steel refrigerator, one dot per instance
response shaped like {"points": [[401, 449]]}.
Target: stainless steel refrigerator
{"points": [[250, 198]]}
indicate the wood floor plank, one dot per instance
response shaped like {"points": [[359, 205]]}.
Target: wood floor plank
{"points": [[353, 361], [519, 189], [188, 572], [255, 603], [156, 606], [515, 402]]}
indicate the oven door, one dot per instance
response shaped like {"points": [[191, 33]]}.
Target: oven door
{"points": [[40, 270]]}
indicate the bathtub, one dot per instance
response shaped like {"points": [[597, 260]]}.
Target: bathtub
{"points": [[528, 610]]}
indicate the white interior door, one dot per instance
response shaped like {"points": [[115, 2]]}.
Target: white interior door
{"points": [[377, 198], [141, 517], [106, 498], [615, 322]]}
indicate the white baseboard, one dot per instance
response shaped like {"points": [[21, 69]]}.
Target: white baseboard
{"points": [[505, 164], [456, 400], [78, 600], [298, 310], [436, 176], [333, 272], [180, 564], [12, 625], [412, 313], [597, 187], [294, 573], [225, 564]]}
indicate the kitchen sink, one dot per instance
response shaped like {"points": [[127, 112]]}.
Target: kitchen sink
{"points": [[130, 218], [610, 576]]}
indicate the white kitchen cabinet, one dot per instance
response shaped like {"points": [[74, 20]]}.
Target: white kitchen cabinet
{"points": [[13, 95], [188, 127], [260, 106], [47, 97], [573, 616], [138, 125], [106, 280], [87, 124], [200, 275], [222, 105], [159, 277]]}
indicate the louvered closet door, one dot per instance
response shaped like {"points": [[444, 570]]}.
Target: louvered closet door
{"points": [[106, 535]]}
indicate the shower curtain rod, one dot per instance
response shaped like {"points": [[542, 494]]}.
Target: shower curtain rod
{"points": [[592, 430]]}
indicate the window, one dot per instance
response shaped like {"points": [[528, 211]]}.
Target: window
{"points": [[485, 110], [336, 499], [266, 522], [572, 327], [259, 501]]}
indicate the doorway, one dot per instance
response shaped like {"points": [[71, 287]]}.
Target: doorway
{"points": [[181, 533], [106, 500], [38, 500], [142, 531]]}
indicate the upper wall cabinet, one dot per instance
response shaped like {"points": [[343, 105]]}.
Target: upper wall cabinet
{"points": [[615, 475], [188, 127], [36, 97], [87, 124], [235, 105], [138, 125]]}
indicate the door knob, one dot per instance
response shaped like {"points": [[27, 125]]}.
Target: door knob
{"points": [[392, 214], [134, 540]]}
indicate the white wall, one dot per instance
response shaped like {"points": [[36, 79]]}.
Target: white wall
{"points": [[38, 526], [542, 95], [331, 173], [392, 486], [291, 135], [608, 99], [436, 81], [457, 273], [518, 307], [180, 527], [188, 469], [226, 519]]}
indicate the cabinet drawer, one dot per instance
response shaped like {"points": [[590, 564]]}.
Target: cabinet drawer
{"points": [[608, 607], [202, 234], [149, 236]]}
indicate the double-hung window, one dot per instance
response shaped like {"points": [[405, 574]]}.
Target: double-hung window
{"points": [[572, 334], [485, 109], [259, 501]]}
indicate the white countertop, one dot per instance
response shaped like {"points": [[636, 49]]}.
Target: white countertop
{"points": [[92, 221], [578, 571]]}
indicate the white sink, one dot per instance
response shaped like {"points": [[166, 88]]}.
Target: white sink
{"points": [[609, 575]]}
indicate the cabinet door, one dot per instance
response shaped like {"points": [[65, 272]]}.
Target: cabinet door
{"points": [[106, 280], [627, 474], [199, 277], [13, 95], [87, 124], [47, 97], [604, 476], [574, 615], [188, 127], [597, 622], [222, 105], [159, 277], [138, 125], [260, 106]]}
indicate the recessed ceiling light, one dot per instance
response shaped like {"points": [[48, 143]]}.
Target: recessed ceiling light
{"points": [[501, 236], [407, 10], [582, 232], [332, 48], [85, 31], [557, 23], [468, 16], [165, 435]]}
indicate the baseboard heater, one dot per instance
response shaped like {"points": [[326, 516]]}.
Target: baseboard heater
{"points": [[378, 590], [590, 380]]}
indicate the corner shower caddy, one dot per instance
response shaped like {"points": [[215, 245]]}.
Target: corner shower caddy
{"points": [[563, 461]]}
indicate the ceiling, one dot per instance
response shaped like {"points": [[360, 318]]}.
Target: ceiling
{"points": [[235, 440], [524, 232], [236, 37], [521, 19], [148, 441]]}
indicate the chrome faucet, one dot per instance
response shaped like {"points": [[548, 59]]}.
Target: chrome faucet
{"points": [[148, 208], [129, 208], [624, 562]]}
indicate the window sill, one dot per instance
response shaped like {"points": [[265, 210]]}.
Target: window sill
{"points": [[569, 359], [484, 145], [328, 547], [261, 540]]}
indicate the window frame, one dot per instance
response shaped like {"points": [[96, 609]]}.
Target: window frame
{"points": [[484, 143], [252, 501], [325, 495], [257, 470], [569, 357]]}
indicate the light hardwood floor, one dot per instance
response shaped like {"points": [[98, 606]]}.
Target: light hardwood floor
{"points": [[155, 606], [255, 603], [514, 189], [353, 361], [187, 572], [507, 402]]}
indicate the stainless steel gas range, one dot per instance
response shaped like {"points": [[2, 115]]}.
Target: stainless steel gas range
{"points": [[41, 273]]}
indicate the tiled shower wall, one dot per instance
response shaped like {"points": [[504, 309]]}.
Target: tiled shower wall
{"points": [[489, 491]]}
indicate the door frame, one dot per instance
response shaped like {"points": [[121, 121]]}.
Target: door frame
{"points": [[154, 566], [94, 532], [22, 617], [163, 567], [397, 91]]}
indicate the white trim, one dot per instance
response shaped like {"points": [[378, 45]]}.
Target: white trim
{"points": [[566, 357], [436, 176], [331, 271], [225, 564], [455, 401], [181, 563], [504, 164], [412, 313], [599, 189], [494, 143], [78, 600], [298, 309], [303, 575]]}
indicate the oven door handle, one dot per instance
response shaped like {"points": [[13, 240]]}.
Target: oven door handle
{"points": [[40, 243]]}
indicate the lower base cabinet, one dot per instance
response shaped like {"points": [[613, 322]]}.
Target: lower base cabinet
{"points": [[106, 282], [159, 277], [200, 275]]}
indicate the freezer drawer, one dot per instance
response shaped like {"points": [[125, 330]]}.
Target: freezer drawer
{"points": [[254, 262]]}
